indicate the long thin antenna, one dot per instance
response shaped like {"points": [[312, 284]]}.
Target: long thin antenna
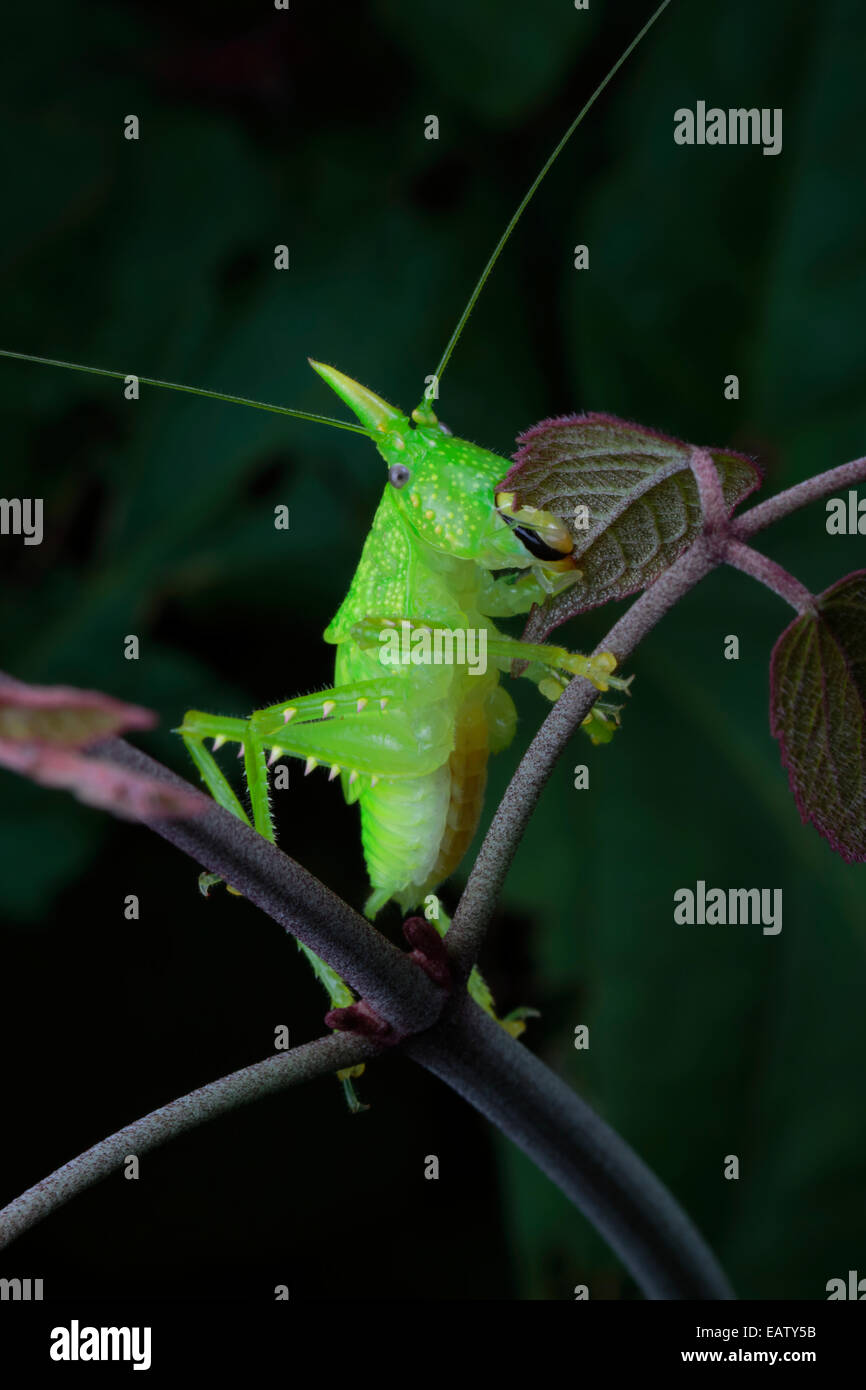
{"points": [[494, 257], [190, 390]]}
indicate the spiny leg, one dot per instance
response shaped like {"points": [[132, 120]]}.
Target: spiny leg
{"points": [[340, 699], [256, 772], [317, 727], [196, 727], [368, 729], [365, 729]]}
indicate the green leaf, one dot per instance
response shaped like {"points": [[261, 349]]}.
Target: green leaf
{"points": [[639, 493], [818, 713]]}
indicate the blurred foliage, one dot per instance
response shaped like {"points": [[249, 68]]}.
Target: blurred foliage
{"points": [[156, 257]]}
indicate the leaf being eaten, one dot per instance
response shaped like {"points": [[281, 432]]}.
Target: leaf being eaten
{"points": [[628, 495]]}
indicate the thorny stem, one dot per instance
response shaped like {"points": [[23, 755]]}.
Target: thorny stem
{"points": [[325, 1055]]}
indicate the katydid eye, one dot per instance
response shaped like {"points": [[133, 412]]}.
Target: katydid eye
{"points": [[398, 475]]}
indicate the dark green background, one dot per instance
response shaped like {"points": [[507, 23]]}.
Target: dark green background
{"points": [[156, 257]]}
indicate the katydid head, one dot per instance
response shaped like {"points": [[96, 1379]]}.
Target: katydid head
{"points": [[446, 489]]}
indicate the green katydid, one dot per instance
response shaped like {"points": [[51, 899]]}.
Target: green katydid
{"points": [[447, 553]]}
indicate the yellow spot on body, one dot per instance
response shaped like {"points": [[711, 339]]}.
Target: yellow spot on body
{"points": [[429, 515]]}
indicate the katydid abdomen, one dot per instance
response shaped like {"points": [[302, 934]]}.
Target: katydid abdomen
{"points": [[415, 830]]}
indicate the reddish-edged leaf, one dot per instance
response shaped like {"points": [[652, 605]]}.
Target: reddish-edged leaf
{"points": [[818, 714], [639, 492], [60, 714], [131, 795], [43, 730]]}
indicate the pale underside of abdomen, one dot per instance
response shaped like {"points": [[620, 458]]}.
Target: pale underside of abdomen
{"points": [[416, 830]]}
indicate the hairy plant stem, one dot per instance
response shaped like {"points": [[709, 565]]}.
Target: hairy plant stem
{"points": [[769, 573], [276, 1073], [812, 490], [376, 969], [713, 505], [586, 1159]]}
